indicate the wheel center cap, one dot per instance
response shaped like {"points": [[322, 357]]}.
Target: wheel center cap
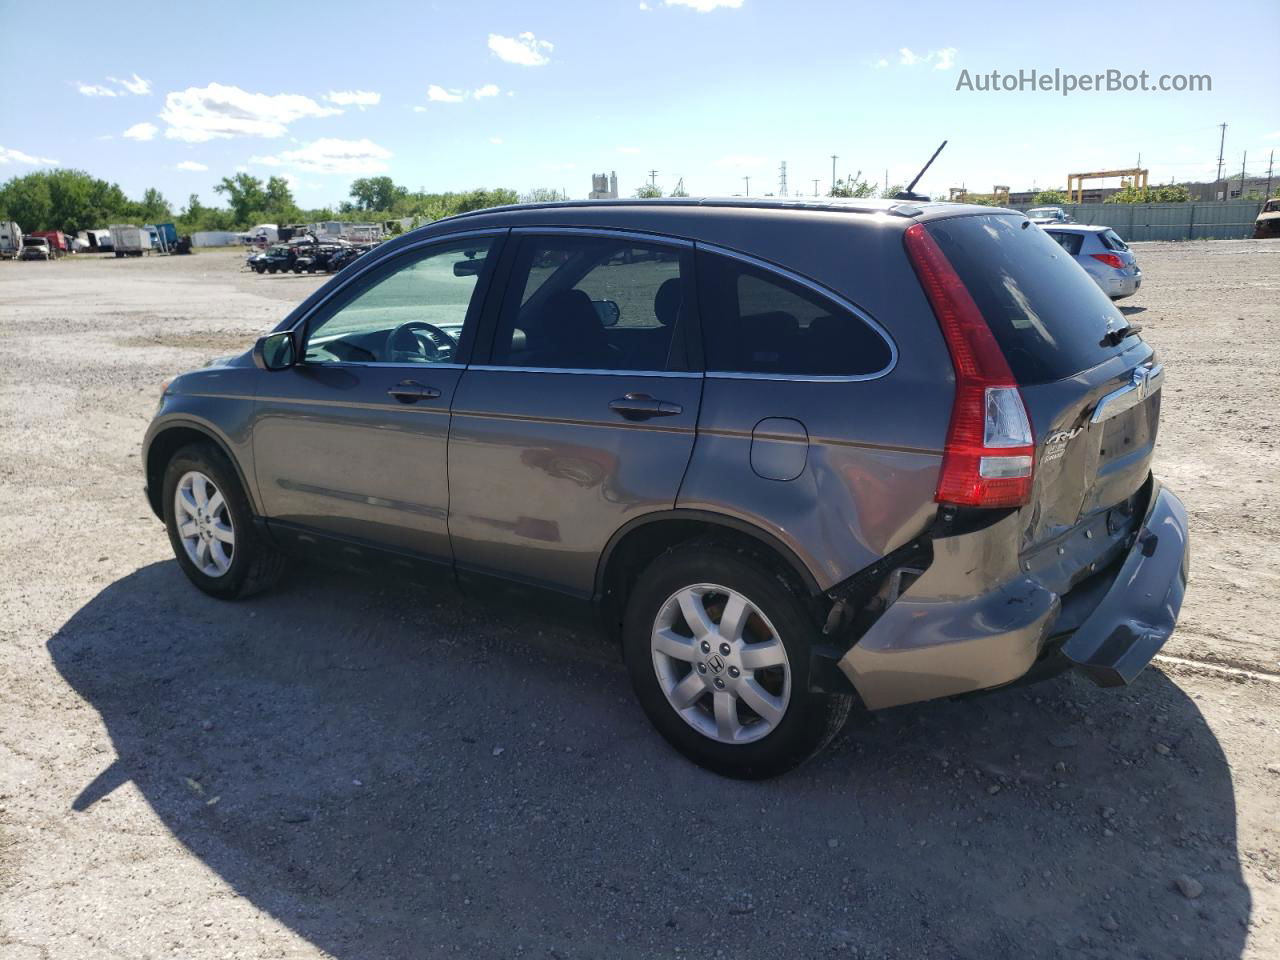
{"points": [[715, 663]]}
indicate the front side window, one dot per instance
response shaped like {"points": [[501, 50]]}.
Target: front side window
{"points": [[759, 322], [593, 303], [413, 312]]}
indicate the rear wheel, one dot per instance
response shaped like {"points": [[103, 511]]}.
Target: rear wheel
{"points": [[211, 529], [718, 649]]}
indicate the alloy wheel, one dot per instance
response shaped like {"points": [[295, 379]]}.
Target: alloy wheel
{"points": [[204, 524], [721, 663]]}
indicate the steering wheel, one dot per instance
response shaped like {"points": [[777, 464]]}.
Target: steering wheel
{"points": [[429, 347]]}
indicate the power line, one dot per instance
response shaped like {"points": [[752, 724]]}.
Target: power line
{"points": [[653, 178]]}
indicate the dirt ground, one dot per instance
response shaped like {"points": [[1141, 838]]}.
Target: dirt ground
{"points": [[359, 769]]}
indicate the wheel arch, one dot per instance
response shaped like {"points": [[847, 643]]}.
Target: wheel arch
{"points": [[642, 539], [168, 440]]}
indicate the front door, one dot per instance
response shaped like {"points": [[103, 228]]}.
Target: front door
{"points": [[352, 442], [583, 415]]}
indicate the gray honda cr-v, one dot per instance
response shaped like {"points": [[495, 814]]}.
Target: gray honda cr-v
{"points": [[796, 453]]}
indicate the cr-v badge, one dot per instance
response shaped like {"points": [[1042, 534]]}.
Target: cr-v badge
{"points": [[1056, 444]]}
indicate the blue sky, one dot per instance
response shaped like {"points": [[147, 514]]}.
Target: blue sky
{"points": [[456, 95]]}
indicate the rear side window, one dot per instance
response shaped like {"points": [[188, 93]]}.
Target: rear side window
{"points": [[1070, 242], [1048, 316], [755, 321]]}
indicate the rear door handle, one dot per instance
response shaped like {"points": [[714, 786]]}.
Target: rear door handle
{"points": [[411, 391], [641, 406]]}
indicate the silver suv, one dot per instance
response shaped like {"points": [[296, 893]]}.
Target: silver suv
{"points": [[799, 455]]}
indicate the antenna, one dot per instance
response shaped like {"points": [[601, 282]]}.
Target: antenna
{"points": [[907, 194]]}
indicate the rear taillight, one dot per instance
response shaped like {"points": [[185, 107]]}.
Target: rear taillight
{"points": [[1110, 259], [990, 454]]}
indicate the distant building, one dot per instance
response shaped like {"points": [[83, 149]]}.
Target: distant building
{"points": [[603, 188]]}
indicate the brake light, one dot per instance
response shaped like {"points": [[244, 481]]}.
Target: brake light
{"points": [[989, 458], [1110, 259]]}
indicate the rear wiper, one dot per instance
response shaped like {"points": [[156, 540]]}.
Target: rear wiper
{"points": [[1116, 337]]}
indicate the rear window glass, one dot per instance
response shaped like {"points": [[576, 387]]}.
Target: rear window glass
{"points": [[1112, 240], [1070, 242], [1048, 316], [756, 321]]}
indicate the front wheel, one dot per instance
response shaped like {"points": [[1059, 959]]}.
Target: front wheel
{"points": [[718, 649], [211, 529]]}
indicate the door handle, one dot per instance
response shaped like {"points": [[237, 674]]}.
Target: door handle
{"points": [[411, 391], [641, 406]]}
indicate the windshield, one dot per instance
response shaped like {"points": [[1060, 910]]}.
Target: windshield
{"points": [[1048, 316]]}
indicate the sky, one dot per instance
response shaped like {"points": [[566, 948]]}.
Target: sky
{"points": [[450, 96]]}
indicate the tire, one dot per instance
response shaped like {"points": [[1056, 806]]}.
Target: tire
{"points": [[260, 268], [254, 564], [271, 269], [797, 722]]}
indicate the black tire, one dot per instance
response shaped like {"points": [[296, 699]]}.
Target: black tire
{"points": [[261, 268], [255, 564], [811, 719], [271, 269]]}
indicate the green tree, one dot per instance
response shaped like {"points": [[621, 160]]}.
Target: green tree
{"points": [[377, 193], [679, 191], [892, 191], [1049, 198], [67, 200], [245, 195], [648, 192], [853, 186], [1169, 193], [153, 208], [540, 195]]}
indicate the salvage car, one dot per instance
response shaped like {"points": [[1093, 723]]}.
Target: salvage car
{"points": [[798, 455], [1103, 255], [1044, 215], [35, 248], [1268, 222]]}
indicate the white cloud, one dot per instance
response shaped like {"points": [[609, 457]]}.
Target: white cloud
{"points": [[495, 140], [628, 149], [1274, 135], [329, 155], [135, 85], [354, 98], [526, 50], [198, 114], [192, 165], [95, 90], [739, 161], [704, 6], [141, 131], [488, 90], [943, 59], [419, 109], [9, 155], [438, 94], [643, 5], [881, 63]]}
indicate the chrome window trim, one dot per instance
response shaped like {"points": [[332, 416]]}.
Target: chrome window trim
{"points": [[825, 293], [679, 374], [382, 363], [302, 321]]}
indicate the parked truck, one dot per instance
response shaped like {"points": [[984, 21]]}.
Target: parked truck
{"points": [[164, 236], [130, 241], [10, 240], [58, 245]]}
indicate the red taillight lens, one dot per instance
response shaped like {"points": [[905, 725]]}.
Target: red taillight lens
{"points": [[990, 454], [1110, 259]]}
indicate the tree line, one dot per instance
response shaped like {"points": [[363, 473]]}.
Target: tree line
{"points": [[73, 200]]}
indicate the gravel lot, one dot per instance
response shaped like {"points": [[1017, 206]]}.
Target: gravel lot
{"points": [[367, 770]]}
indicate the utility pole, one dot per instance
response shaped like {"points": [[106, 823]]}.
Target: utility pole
{"points": [[886, 179], [1243, 163], [1222, 142], [1270, 161], [782, 179], [834, 158], [815, 186], [747, 180], [653, 178]]}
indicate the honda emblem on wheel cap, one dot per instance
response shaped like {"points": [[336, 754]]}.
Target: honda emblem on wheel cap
{"points": [[716, 663]]}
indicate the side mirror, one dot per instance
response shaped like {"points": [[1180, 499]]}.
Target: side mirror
{"points": [[275, 351], [608, 312]]}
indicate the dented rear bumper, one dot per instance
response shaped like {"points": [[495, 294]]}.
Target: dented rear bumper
{"points": [[979, 618]]}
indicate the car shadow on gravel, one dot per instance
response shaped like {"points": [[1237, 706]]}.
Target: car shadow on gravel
{"points": [[393, 773]]}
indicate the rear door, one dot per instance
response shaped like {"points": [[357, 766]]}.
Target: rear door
{"points": [[583, 414], [1065, 343], [352, 441]]}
